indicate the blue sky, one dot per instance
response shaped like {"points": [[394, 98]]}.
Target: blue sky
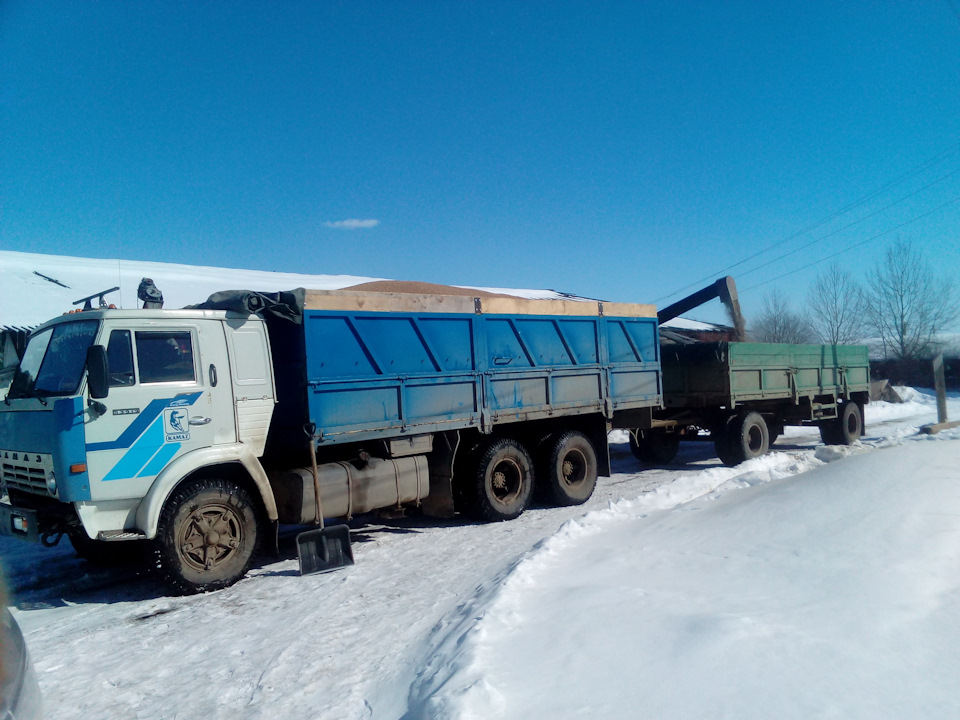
{"points": [[615, 150]]}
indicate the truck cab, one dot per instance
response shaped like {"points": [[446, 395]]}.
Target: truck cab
{"points": [[180, 391]]}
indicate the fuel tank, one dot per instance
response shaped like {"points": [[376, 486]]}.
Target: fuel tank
{"points": [[346, 489]]}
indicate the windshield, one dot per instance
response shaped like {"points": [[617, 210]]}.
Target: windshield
{"points": [[54, 359]]}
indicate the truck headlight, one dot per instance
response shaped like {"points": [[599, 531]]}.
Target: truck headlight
{"points": [[51, 483]]}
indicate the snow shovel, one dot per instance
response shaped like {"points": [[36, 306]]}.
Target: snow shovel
{"points": [[325, 548]]}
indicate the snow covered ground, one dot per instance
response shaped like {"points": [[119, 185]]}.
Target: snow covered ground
{"points": [[812, 582]]}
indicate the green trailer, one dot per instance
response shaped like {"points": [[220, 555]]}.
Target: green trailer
{"points": [[743, 394]]}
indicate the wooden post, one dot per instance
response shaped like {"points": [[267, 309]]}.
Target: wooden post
{"points": [[940, 384]]}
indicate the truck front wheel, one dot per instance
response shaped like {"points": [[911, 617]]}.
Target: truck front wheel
{"points": [[207, 536], [501, 482], [567, 474]]}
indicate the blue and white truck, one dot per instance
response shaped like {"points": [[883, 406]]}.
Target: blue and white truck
{"points": [[189, 432]]}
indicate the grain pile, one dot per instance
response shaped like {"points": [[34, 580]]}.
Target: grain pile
{"points": [[414, 287]]}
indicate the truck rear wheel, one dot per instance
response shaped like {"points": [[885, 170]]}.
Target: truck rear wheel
{"points": [[207, 536], [501, 483], [655, 447], [846, 428], [567, 473], [744, 437]]}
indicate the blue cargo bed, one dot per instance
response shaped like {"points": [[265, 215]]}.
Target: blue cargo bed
{"points": [[380, 362]]}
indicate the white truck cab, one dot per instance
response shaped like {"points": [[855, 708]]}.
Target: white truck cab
{"points": [[187, 390]]}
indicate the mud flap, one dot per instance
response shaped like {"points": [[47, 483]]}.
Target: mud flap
{"points": [[324, 549]]}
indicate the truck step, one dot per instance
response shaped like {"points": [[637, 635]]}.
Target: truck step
{"points": [[117, 535]]}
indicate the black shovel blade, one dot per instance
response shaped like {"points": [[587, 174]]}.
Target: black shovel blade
{"points": [[326, 549]]}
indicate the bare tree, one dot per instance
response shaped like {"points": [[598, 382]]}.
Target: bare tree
{"points": [[836, 308], [907, 304], [778, 323]]}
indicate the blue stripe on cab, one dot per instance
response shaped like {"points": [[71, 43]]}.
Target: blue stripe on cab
{"points": [[150, 412], [140, 454], [160, 460]]}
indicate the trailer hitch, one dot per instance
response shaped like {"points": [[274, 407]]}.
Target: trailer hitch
{"points": [[45, 538]]}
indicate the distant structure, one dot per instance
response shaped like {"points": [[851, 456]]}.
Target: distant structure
{"points": [[12, 342]]}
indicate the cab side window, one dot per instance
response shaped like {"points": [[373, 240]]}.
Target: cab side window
{"points": [[120, 358], [165, 357]]}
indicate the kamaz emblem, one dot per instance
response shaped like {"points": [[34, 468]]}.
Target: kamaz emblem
{"points": [[176, 424], [16, 456]]}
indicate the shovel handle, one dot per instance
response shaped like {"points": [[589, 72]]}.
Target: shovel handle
{"points": [[316, 479]]}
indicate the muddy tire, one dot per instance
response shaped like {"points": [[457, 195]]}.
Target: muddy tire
{"points": [[500, 483], [207, 537], [655, 447], [747, 437], [567, 471]]}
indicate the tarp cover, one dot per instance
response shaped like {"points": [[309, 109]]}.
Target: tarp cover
{"points": [[287, 305]]}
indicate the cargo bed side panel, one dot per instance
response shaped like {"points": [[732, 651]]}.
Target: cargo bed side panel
{"points": [[370, 373]]}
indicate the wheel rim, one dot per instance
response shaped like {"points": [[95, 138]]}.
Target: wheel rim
{"points": [[210, 537], [755, 439], [573, 468], [506, 481]]}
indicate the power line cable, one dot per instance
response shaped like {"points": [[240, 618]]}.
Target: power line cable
{"points": [[850, 225], [925, 165], [854, 246]]}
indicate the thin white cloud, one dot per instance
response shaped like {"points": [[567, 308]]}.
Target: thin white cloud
{"points": [[352, 224]]}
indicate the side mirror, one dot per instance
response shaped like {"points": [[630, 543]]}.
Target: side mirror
{"points": [[97, 372]]}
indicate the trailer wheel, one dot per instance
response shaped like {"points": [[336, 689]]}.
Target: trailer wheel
{"points": [[829, 431], [502, 482], [775, 431], [567, 473], [747, 437], [846, 429], [655, 447], [207, 536], [721, 441]]}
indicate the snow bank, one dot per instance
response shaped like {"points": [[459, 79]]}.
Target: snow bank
{"points": [[831, 596]]}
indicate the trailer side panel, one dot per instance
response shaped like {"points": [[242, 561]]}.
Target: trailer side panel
{"points": [[726, 374]]}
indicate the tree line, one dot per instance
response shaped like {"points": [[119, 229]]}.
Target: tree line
{"points": [[901, 302]]}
